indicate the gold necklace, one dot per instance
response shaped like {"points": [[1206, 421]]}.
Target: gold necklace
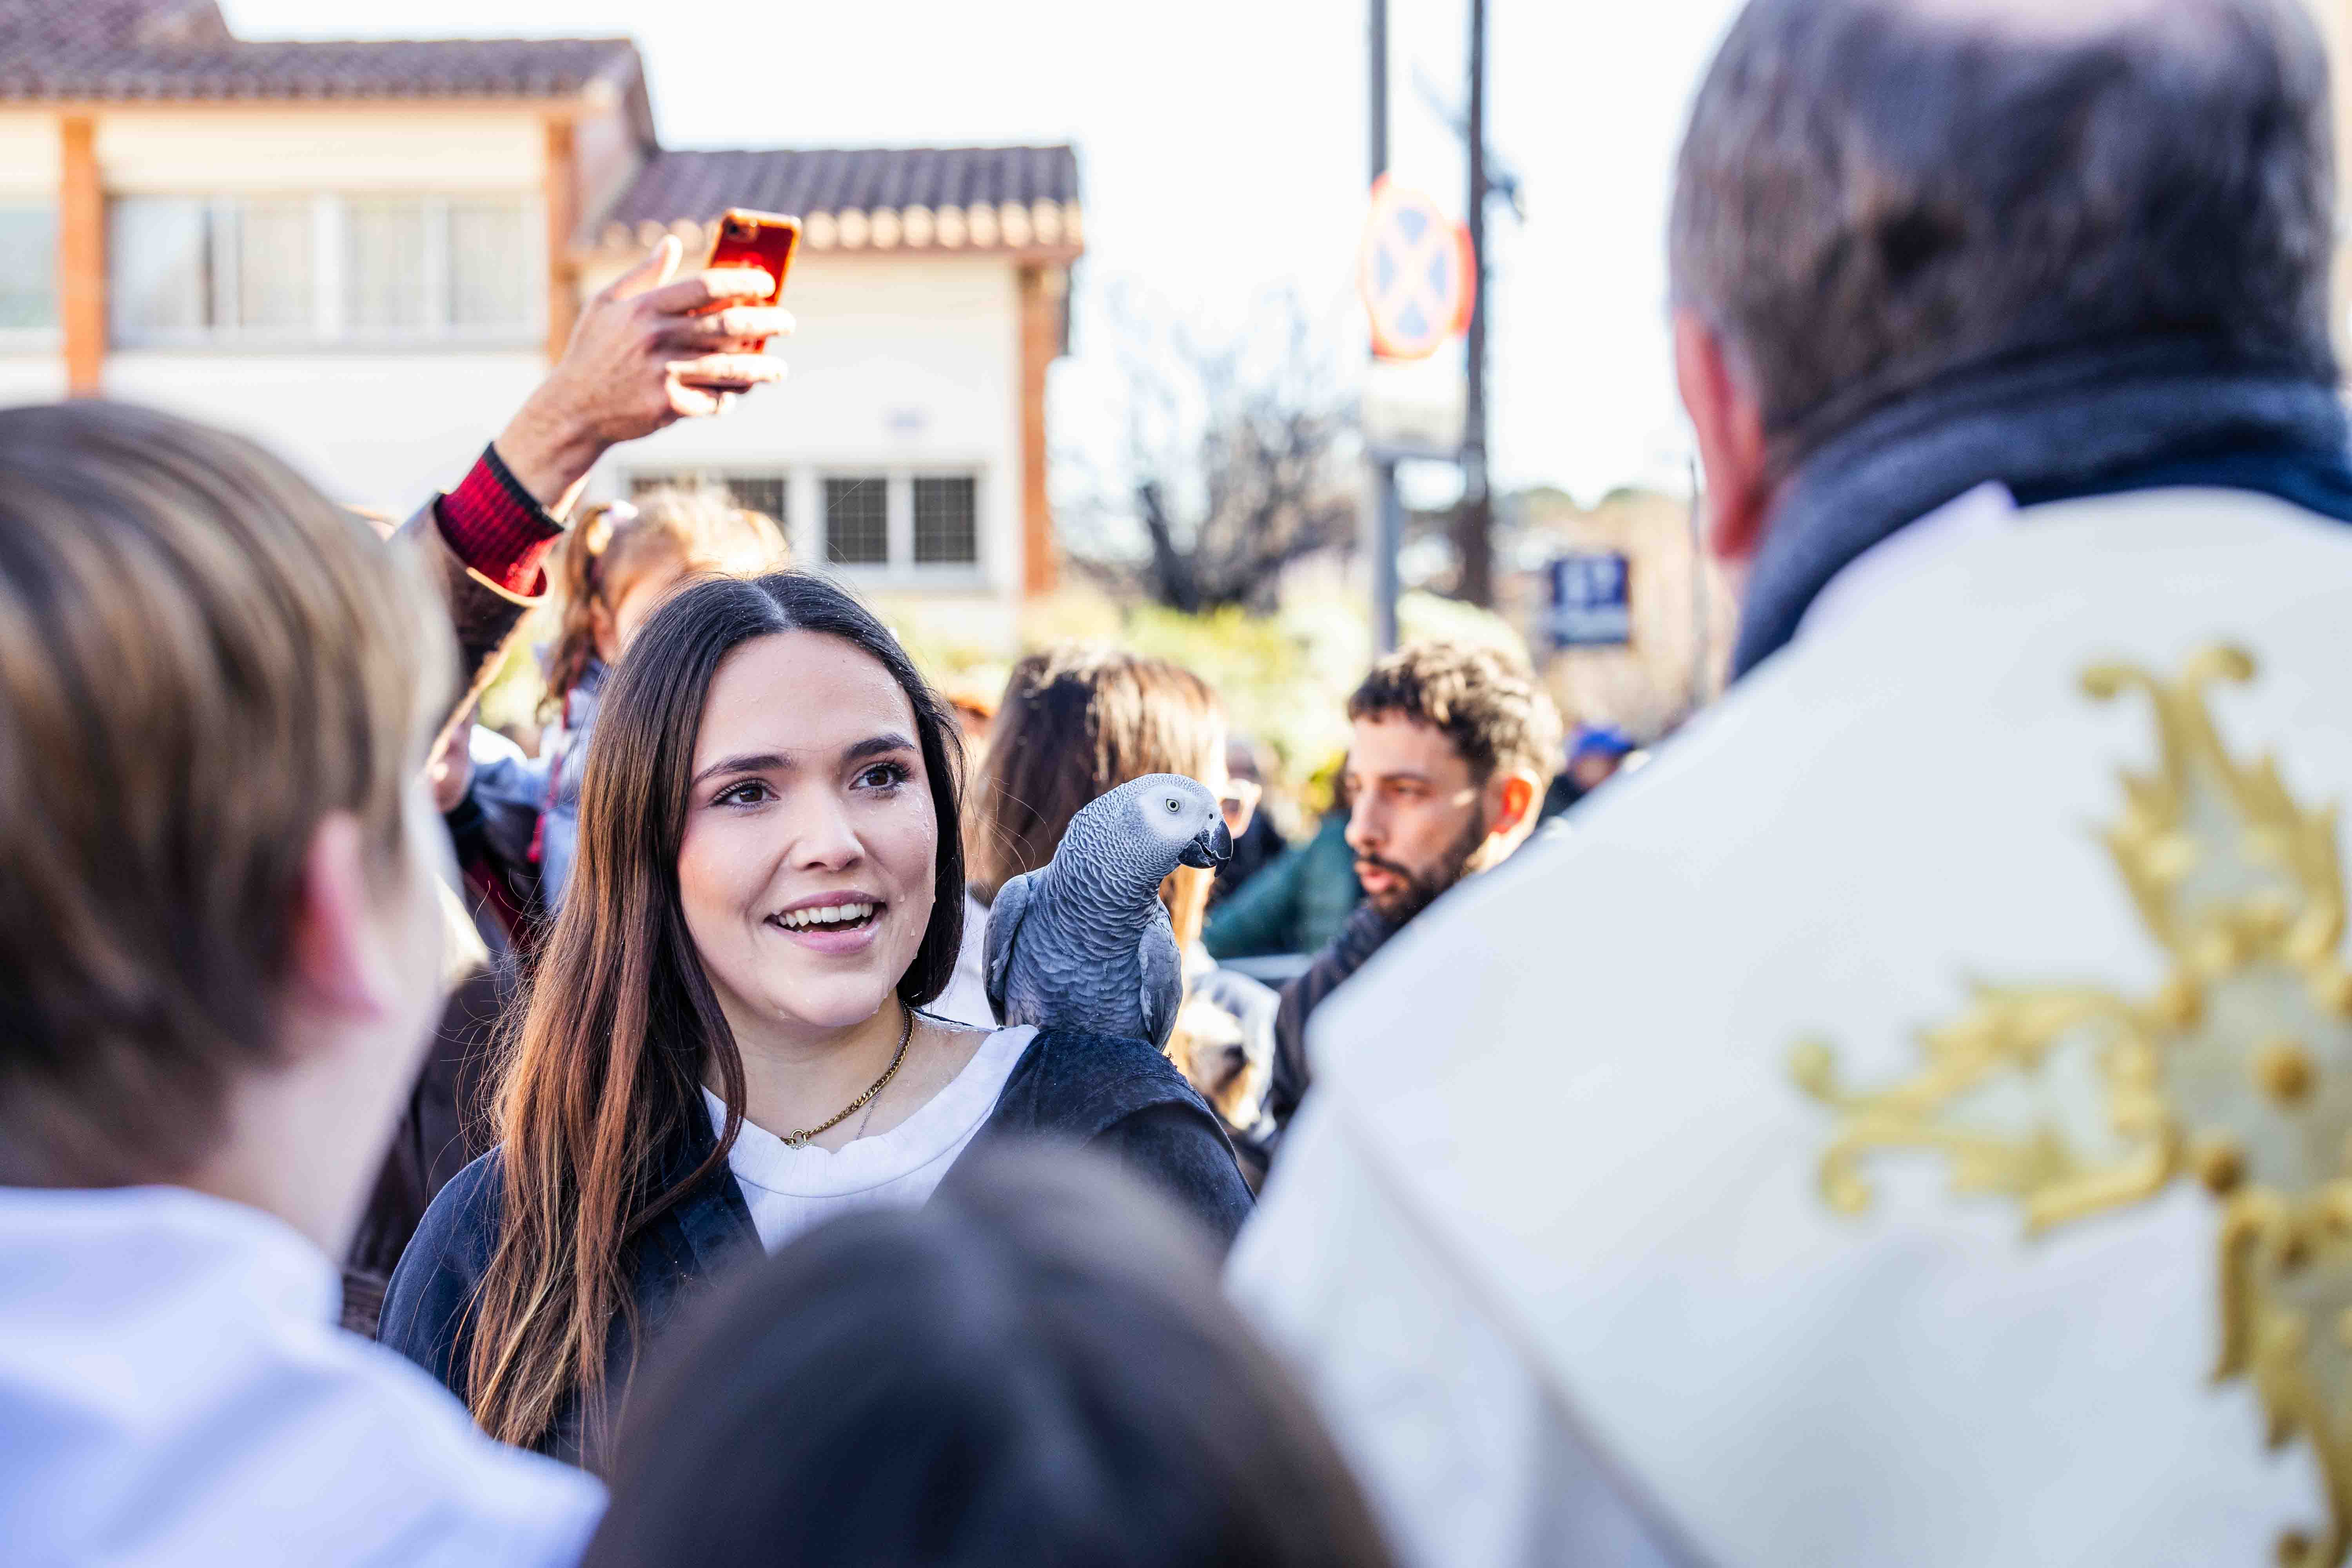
{"points": [[799, 1139]]}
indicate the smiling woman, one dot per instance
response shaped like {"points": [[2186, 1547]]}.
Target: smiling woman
{"points": [[724, 1042]]}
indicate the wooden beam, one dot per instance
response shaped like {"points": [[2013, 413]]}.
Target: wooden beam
{"points": [[1042, 291], [81, 256], [561, 187]]}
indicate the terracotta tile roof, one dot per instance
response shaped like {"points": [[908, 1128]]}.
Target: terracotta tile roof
{"points": [[165, 49], [853, 197]]}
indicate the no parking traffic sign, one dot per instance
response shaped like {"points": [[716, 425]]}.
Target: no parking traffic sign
{"points": [[1415, 273]]}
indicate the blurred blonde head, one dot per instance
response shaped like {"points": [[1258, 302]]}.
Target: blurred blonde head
{"points": [[623, 558]]}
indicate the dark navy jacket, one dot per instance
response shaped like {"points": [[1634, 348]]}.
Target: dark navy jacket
{"points": [[1119, 1095]]}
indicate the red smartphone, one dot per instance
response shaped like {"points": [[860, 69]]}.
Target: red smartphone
{"points": [[746, 238]]}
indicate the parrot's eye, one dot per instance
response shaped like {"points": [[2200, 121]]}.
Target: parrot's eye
{"points": [[1173, 804]]}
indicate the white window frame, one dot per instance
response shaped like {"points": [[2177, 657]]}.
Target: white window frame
{"points": [[804, 518], [902, 571], [330, 327], [946, 571], [38, 339]]}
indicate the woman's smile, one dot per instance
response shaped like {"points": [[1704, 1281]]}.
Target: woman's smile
{"points": [[833, 923]]}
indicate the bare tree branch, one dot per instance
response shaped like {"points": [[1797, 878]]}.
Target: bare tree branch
{"points": [[1238, 460]]}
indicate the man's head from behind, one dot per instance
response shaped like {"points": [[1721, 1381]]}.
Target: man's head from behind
{"points": [[218, 934], [1873, 194], [1450, 753]]}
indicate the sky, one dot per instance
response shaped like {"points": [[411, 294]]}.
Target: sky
{"points": [[1225, 154]]}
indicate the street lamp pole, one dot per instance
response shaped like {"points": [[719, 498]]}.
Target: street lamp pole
{"points": [[1388, 508], [1474, 527]]}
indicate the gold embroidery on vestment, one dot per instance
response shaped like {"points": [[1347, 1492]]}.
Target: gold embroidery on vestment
{"points": [[2235, 1071]]}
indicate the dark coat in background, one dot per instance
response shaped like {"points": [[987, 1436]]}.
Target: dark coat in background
{"points": [[1119, 1096], [1298, 904], [1259, 844], [1366, 933]]}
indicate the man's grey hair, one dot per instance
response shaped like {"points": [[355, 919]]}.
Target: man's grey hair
{"points": [[1873, 193]]}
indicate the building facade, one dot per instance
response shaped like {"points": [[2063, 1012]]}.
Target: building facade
{"points": [[366, 254]]}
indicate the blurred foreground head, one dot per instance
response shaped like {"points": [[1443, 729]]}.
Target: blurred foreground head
{"points": [[1037, 1367], [1876, 194], [215, 692]]}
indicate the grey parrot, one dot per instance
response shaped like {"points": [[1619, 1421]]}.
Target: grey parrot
{"points": [[1085, 942]]}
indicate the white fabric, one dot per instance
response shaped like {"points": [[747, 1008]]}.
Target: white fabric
{"points": [[1555, 1158], [174, 1390], [965, 1001], [1962, 521], [789, 1190]]}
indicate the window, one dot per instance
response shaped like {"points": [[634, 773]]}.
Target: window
{"points": [[269, 248], [28, 266], [858, 521], [187, 269], [160, 256], [491, 265], [762, 493], [387, 291], [320, 268], [947, 521]]}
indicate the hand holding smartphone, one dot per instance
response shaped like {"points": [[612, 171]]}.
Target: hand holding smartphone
{"points": [[747, 238], [744, 238]]}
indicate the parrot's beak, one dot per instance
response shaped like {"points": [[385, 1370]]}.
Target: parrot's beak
{"points": [[1212, 846]]}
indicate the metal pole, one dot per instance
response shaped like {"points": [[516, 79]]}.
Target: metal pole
{"points": [[1388, 508], [1389, 539], [1474, 529]]}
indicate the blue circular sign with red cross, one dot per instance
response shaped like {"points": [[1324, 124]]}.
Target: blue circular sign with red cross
{"points": [[1415, 271]]}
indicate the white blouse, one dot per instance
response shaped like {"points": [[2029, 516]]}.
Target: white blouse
{"points": [[966, 999], [789, 1190]]}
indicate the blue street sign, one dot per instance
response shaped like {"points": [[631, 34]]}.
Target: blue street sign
{"points": [[1590, 607]]}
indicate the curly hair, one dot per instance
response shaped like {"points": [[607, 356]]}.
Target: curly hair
{"points": [[1496, 715]]}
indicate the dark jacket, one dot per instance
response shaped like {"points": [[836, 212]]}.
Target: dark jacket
{"points": [[1118, 1095], [1255, 848], [440, 1129], [1365, 934]]}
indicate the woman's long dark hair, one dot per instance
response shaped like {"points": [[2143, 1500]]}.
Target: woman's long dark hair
{"points": [[602, 1079]]}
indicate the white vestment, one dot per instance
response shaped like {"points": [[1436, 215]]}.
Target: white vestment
{"points": [[1553, 1241]]}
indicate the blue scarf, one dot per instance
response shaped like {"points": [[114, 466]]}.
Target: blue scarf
{"points": [[2051, 427]]}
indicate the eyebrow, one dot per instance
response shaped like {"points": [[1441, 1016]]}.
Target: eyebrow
{"points": [[778, 761], [877, 745]]}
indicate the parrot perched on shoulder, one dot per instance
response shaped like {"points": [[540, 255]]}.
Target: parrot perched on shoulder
{"points": [[1085, 943]]}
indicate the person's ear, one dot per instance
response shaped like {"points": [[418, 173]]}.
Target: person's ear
{"points": [[1515, 795], [603, 632], [336, 959], [1729, 422]]}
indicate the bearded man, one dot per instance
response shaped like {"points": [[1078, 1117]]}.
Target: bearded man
{"points": [[1910, 1121], [1450, 754]]}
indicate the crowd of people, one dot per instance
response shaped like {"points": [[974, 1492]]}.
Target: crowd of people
{"points": [[650, 1093]]}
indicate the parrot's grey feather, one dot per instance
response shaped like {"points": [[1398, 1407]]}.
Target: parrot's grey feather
{"points": [[1004, 917], [1085, 944], [1163, 978]]}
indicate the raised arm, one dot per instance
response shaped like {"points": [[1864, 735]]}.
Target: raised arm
{"points": [[638, 360]]}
